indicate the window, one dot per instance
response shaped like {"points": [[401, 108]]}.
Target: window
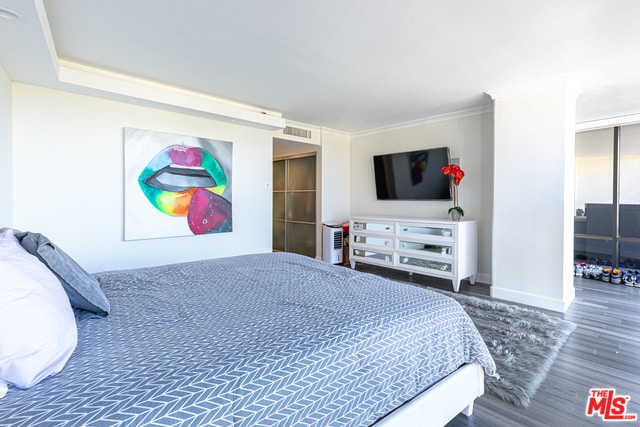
{"points": [[607, 197]]}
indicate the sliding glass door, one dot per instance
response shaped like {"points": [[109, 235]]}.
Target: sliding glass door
{"points": [[607, 197]]}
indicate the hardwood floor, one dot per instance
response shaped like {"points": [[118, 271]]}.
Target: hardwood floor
{"points": [[603, 352]]}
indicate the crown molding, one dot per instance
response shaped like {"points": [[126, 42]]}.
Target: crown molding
{"points": [[330, 131], [425, 121]]}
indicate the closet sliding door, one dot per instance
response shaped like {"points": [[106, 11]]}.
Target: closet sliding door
{"points": [[294, 205]]}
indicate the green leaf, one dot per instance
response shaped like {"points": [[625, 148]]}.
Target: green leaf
{"points": [[457, 208]]}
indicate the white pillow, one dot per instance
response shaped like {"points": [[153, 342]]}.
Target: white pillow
{"points": [[38, 332]]}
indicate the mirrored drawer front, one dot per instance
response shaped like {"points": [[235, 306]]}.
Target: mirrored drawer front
{"points": [[374, 241], [372, 226], [427, 264], [372, 255], [442, 231], [443, 249]]}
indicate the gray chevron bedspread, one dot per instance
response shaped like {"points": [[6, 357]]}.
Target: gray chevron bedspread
{"points": [[254, 340]]}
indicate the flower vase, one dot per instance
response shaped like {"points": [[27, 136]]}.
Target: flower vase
{"points": [[455, 211]]}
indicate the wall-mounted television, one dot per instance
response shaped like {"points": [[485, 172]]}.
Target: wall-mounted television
{"points": [[412, 175]]}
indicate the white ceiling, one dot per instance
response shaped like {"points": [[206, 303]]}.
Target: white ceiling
{"points": [[353, 65]]}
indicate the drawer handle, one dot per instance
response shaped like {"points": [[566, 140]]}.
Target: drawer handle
{"points": [[387, 228], [357, 238], [405, 260], [386, 243]]}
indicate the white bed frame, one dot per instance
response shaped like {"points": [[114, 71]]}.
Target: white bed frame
{"points": [[441, 402]]}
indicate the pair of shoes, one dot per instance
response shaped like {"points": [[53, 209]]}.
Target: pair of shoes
{"points": [[636, 279], [592, 272], [579, 268], [628, 278], [615, 276]]}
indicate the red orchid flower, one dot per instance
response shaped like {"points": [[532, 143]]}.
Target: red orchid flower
{"points": [[455, 171]]}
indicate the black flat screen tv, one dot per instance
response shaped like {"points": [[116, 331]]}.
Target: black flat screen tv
{"points": [[413, 175]]}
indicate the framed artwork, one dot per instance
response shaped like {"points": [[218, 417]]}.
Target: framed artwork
{"points": [[176, 185]]}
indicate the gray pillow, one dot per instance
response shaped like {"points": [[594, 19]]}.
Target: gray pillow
{"points": [[83, 289]]}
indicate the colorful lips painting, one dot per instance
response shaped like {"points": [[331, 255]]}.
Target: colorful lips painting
{"points": [[186, 181]]}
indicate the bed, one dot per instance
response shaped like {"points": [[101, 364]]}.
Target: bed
{"points": [[261, 340]]}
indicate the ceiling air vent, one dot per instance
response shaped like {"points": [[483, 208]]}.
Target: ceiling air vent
{"points": [[302, 133]]}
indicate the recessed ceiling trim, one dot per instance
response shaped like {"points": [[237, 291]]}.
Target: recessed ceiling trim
{"points": [[135, 88], [8, 14], [46, 32]]}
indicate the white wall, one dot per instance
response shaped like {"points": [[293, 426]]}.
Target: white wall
{"points": [[68, 179], [534, 194], [470, 139], [335, 155], [6, 151]]}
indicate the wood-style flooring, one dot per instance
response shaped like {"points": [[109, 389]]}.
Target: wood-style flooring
{"points": [[602, 352]]}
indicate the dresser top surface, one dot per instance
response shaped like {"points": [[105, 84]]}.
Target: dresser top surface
{"points": [[409, 219]]}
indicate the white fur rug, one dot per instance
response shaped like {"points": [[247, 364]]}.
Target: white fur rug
{"points": [[523, 342]]}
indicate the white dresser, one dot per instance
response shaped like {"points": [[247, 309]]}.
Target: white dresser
{"points": [[440, 248]]}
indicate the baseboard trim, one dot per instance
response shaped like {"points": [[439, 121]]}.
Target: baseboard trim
{"points": [[483, 278], [553, 304]]}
